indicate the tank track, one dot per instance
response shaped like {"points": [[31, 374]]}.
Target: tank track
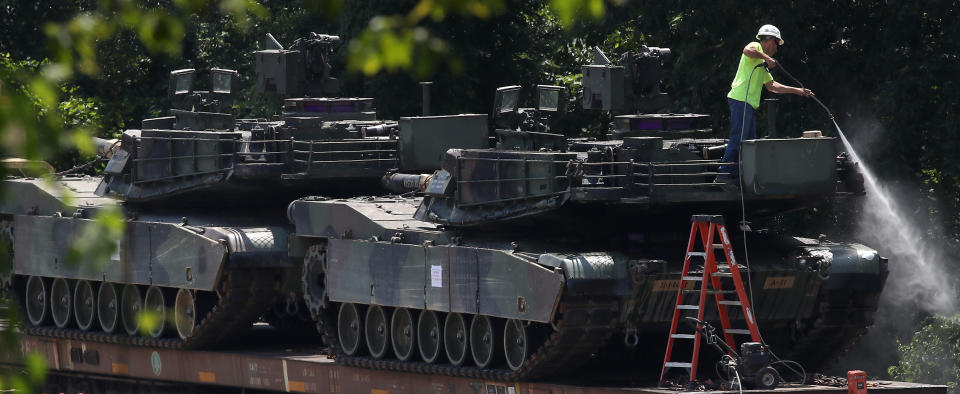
{"points": [[242, 301], [584, 327], [843, 318]]}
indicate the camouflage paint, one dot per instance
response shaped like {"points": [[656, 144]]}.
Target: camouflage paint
{"points": [[36, 196], [441, 278], [380, 218], [149, 253], [378, 255]]}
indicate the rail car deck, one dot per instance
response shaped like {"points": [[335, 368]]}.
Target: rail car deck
{"points": [[308, 371]]}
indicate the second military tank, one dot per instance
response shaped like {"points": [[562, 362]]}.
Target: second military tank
{"points": [[523, 262]]}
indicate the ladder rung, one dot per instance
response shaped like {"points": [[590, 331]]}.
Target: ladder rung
{"points": [[689, 307], [723, 274], [729, 302], [711, 291], [683, 336], [718, 246], [697, 254], [692, 278], [671, 364], [737, 331]]}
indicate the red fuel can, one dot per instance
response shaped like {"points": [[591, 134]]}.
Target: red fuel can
{"points": [[856, 382]]}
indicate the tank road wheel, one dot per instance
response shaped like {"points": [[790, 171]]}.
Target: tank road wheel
{"points": [[402, 334], [61, 302], [84, 305], [108, 307], [483, 341], [130, 305], [156, 304], [428, 336], [184, 313], [515, 343], [455, 338], [348, 329], [376, 332], [35, 299]]}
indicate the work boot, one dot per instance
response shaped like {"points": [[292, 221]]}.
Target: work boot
{"points": [[725, 178]]}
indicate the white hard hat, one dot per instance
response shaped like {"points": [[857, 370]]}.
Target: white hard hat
{"points": [[770, 30]]}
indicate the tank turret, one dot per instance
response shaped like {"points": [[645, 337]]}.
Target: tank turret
{"points": [[630, 90], [303, 70], [315, 144]]}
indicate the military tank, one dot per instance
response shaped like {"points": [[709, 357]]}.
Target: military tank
{"points": [[531, 259], [204, 245]]}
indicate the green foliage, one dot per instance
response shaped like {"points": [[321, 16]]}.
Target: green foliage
{"points": [[30, 378], [933, 355], [66, 117], [149, 320], [401, 42], [393, 43], [29, 118], [9, 338], [569, 11], [389, 45]]}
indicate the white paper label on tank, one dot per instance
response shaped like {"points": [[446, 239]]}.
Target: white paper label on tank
{"points": [[436, 275], [115, 257]]}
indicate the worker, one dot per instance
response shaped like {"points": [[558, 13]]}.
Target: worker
{"points": [[743, 120]]}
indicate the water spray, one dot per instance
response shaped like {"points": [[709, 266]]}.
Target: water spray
{"points": [[927, 271]]}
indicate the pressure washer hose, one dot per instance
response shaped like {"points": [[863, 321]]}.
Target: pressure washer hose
{"points": [[797, 81], [743, 204], [743, 217]]}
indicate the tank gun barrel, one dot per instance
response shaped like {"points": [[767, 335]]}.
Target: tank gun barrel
{"points": [[382, 130], [314, 39], [105, 147], [404, 183]]}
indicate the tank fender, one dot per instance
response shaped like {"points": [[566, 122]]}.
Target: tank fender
{"points": [[441, 278], [158, 253], [316, 217], [35, 197], [593, 273], [855, 267]]}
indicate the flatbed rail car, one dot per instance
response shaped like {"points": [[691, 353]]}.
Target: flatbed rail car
{"points": [[92, 367]]}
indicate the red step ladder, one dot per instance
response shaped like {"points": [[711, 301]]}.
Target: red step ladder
{"points": [[705, 227]]}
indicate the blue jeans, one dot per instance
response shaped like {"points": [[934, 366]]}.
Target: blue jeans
{"points": [[740, 122]]}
